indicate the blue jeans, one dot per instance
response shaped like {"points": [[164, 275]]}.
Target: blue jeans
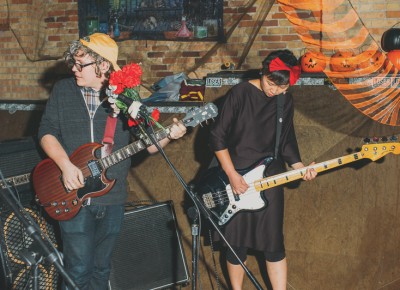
{"points": [[88, 241]]}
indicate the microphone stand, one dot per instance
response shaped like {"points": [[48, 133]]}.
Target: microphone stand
{"points": [[194, 217], [200, 207], [32, 257], [35, 233]]}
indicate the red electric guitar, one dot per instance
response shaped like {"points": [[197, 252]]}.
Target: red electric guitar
{"points": [[62, 204]]}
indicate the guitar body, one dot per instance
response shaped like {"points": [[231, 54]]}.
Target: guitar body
{"points": [[59, 203], [217, 195]]}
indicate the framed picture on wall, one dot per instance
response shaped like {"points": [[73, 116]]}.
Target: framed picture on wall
{"points": [[212, 27], [153, 19]]}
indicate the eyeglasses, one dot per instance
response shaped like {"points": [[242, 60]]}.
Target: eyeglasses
{"points": [[79, 66]]}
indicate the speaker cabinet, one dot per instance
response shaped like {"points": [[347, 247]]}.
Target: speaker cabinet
{"points": [[22, 264], [149, 252], [21, 256]]}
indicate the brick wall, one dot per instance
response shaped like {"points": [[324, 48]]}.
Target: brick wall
{"points": [[34, 35]]}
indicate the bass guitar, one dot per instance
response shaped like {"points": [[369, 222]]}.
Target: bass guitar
{"points": [[62, 204], [216, 193]]}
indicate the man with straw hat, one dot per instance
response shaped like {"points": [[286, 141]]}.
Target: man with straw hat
{"points": [[76, 113]]}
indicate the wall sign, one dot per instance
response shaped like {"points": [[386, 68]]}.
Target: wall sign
{"points": [[187, 20]]}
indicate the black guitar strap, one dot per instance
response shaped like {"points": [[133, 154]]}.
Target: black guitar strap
{"points": [[279, 119]]}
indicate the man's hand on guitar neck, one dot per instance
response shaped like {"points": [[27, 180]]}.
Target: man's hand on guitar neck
{"points": [[176, 131]]}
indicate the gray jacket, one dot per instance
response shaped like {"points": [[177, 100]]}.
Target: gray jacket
{"points": [[67, 118]]}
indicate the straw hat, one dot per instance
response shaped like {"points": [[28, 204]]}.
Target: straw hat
{"points": [[103, 45]]}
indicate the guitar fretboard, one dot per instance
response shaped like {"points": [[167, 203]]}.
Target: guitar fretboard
{"points": [[131, 149], [193, 118], [296, 174]]}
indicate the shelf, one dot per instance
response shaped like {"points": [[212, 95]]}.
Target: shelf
{"points": [[13, 106], [174, 107], [233, 77], [149, 20]]}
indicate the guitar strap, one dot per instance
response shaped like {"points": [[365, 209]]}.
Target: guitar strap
{"points": [[108, 140], [279, 119]]}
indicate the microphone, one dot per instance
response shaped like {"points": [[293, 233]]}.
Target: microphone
{"points": [[142, 111], [124, 99]]}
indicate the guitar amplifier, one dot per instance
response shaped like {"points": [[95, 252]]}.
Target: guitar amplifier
{"points": [[149, 252], [17, 160], [19, 156]]}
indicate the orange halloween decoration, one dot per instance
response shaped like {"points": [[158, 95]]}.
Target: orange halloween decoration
{"points": [[313, 62], [335, 25], [389, 66], [372, 59], [394, 57], [342, 61]]}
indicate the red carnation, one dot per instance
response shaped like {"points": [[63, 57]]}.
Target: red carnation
{"points": [[155, 116]]}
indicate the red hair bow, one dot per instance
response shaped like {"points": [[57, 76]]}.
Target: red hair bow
{"points": [[278, 64]]}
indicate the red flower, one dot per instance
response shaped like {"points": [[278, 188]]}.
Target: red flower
{"points": [[126, 82], [155, 116], [127, 78], [133, 122]]}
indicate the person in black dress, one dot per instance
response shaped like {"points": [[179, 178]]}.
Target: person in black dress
{"points": [[243, 134]]}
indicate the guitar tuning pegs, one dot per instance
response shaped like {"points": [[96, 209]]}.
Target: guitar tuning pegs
{"points": [[384, 139], [393, 138], [375, 139], [367, 140]]}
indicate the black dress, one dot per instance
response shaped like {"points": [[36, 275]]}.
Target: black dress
{"points": [[246, 126]]}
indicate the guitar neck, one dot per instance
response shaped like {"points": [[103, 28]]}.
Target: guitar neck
{"points": [[132, 149], [292, 175], [193, 118], [15, 180]]}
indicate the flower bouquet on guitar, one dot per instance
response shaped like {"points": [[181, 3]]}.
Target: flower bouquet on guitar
{"points": [[124, 96]]}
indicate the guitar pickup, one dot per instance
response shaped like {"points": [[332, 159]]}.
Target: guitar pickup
{"points": [[94, 168], [208, 200]]}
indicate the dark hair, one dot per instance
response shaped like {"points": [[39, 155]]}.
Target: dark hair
{"points": [[279, 77]]}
